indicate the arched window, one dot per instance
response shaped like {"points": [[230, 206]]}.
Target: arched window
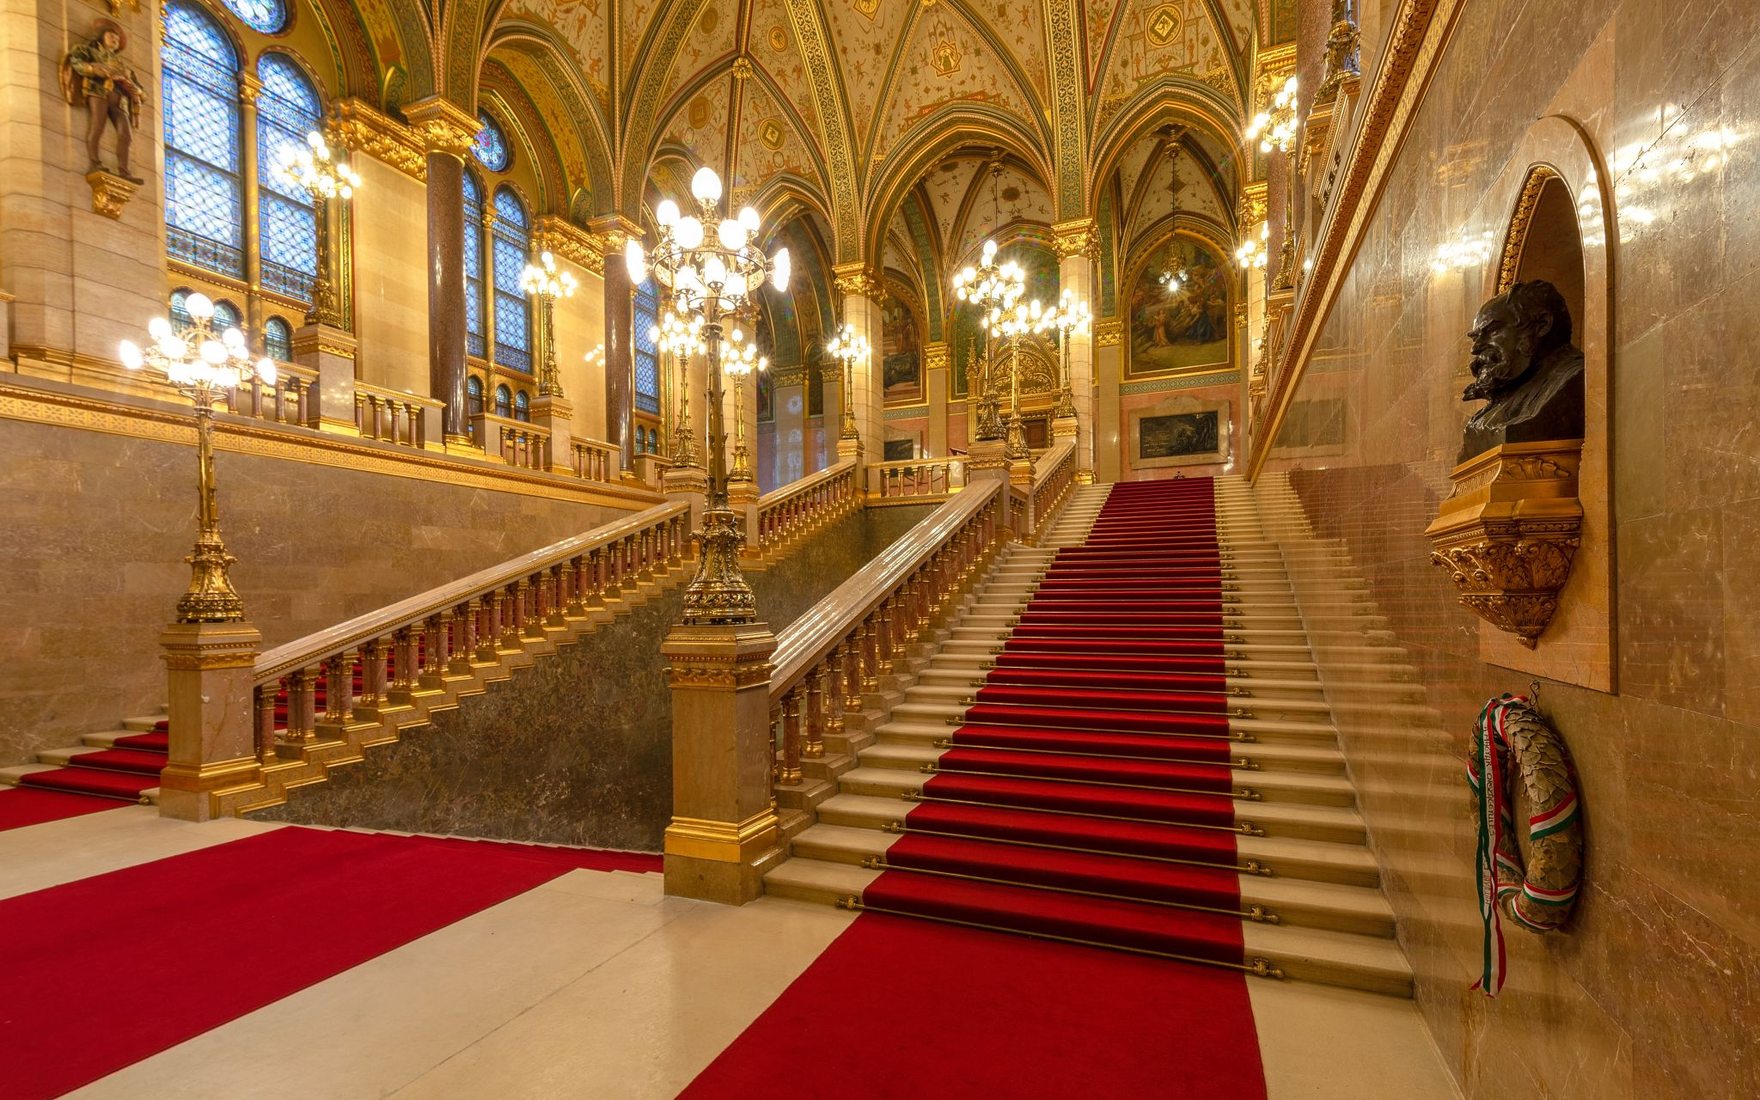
{"points": [[287, 111], [513, 243], [647, 354], [491, 145], [503, 402], [522, 406], [475, 336], [204, 196], [226, 316], [474, 395], [278, 340], [180, 318]]}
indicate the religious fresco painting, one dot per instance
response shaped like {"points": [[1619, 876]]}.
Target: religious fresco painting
{"points": [[901, 354], [1179, 310], [967, 338], [1178, 435]]}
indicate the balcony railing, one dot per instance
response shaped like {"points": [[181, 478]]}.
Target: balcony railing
{"points": [[796, 508], [516, 442], [291, 399], [392, 416], [916, 480]]}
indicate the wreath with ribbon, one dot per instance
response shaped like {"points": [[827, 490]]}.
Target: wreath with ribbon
{"points": [[1538, 893]]}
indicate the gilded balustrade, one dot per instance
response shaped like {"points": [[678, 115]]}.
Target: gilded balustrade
{"points": [[912, 481], [835, 654], [379, 663], [392, 416], [1053, 475], [814, 500], [291, 399]]}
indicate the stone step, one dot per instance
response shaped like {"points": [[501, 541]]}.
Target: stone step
{"points": [[1267, 755]]}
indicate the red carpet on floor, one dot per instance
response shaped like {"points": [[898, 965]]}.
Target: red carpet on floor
{"points": [[909, 1009], [115, 968], [21, 806]]}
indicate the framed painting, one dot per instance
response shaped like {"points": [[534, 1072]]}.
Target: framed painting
{"points": [[1180, 432], [1179, 311]]}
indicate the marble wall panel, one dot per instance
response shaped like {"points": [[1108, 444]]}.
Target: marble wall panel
{"points": [[1653, 989], [97, 526], [576, 749]]}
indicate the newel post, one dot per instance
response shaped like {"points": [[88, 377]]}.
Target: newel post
{"points": [[723, 835], [209, 673]]}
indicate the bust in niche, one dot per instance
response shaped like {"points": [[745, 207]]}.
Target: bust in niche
{"points": [[1525, 365]]}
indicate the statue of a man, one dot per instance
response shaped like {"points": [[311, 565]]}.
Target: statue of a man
{"points": [[1525, 365], [97, 73]]}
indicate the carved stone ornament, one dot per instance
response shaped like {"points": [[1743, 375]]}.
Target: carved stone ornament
{"points": [[110, 193]]}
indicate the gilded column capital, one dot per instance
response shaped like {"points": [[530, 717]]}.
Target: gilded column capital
{"points": [[360, 128], [1108, 332], [442, 126], [249, 88], [937, 356], [569, 241], [613, 230], [1254, 205], [856, 278], [1078, 237]]}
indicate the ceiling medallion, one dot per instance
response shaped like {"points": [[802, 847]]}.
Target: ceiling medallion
{"points": [[1162, 25], [772, 134], [866, 7], [698, 113], [778, 39], [945, 57]]}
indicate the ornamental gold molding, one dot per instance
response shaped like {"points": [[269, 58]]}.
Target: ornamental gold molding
{"points": [[1510, 531], [857, 279], [1419, 31], [110, 192], [1516, 238], [1254, 205], [441, 126], [612, 231], [1108, 333], [782, 377], [1079, 237], [937, 356], [361, 129], [570, 242]]}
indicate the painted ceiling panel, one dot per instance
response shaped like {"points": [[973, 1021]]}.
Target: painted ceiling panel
{"points": [[947, 62], [865, 35], [710, 39], [1155, 38], [767, 144], [947, 184], [773, 45], [701, 123], [586, 26], [636, 16], [1020, 26]]}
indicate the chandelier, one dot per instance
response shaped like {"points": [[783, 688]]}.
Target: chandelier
{"points": [[324, 178], [711, 277], [995, 288], [681, 337], [1013, 325], [1071, 316], [1275, 127]]}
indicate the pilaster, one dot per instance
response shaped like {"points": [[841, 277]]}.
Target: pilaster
{"points": [[861, 293], [1078, 243]]}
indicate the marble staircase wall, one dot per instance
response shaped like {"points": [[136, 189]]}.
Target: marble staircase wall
{"points": [[1655, 988]]}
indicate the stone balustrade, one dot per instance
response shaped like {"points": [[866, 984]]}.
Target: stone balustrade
{"points": [[392, 416], [791, 511], [518, 443], [290, 399], [915, 481], [1053, 475], [592, 460]]}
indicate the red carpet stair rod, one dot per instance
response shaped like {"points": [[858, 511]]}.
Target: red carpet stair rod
{"points": [[1121, 741]]}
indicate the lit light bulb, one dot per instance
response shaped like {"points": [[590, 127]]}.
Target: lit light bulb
{"points": [[731, 234], [635, 260], [780, 269], [666, 214], [200, 306], [689, 233], [748, 217], [159, 328], [706, 185], [130, 353]]}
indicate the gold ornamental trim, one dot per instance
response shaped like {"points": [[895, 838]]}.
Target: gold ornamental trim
{"points": [[856, 278], [1254, 205], [1515, 239], [1420, 29], [110, 193], [1078, 237], [783, 377], [722, 841], [291, 444], [363, 130], [569, 241], [441, 126], [1108, 333]]}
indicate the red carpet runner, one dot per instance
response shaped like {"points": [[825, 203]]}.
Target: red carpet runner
{"points": [[20, 807], [212, 935], [904, 1009], [1088, 796]]}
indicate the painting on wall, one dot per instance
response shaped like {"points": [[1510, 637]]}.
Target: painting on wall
{"points": [[766, 396], [1180, 431], [901, 353], [967, 338], [1179, 310], [900, 450]]}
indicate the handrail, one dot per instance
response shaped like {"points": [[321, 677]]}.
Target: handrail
{"points": [[791, 509], [1052, 477]]}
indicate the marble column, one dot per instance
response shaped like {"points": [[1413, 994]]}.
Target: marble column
{"points": [[1076, 243], [1106, 424], [831, 390], [619, 337], [447, 131], [937, 383], [860, 291]]}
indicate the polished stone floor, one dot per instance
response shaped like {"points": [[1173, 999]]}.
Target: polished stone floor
{"points": [[603, 987]]}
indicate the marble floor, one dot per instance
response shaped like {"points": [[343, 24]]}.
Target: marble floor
{"points": [[602, 987]]}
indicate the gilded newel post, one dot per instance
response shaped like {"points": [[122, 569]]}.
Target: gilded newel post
{"points": [[723, 834], [209, 671]]}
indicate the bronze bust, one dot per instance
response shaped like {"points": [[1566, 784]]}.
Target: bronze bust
{"points": [[1525, 365]]}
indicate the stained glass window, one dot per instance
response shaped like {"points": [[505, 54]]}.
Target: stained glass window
{"points": [[491, 144], [647, 357], [267, 16], [225, 316], [513, 319], [278, 340], [204, 206], [503, 402], [473, 267], [522, 406], [180, 318], [287, 111]]}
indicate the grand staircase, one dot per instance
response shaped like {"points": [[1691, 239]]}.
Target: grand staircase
{"points": [[1120, 740]]}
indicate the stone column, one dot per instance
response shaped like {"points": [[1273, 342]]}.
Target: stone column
{"points": [[937, 383], [447, 131], [209, 669], [723, 834], [861, 308], [249, 88], [831, 422], [1108, 426], [790, 408], [619, 337], [1077, 243]]}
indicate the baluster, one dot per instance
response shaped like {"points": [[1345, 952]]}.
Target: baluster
{"points": [[302, 692], [431, 660], [791, 736], [644, 559], [265, 716], [613, 577], [373, 674], [835, 679], [852, 672], [403, 665], [813, 748], [775, 753], [465, 645], [871, 653], [535, 596], [558, 600], [338, 689], [485, 629], [883, 637], [440, 648], [512, 612]]}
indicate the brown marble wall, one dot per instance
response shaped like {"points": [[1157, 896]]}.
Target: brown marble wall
{"points": [[577, 748], [1655, 989], [97, 526]]}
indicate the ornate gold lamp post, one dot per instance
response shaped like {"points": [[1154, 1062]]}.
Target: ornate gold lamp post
{"points": [[1071, 316], [203, 365], [849, 348], [1012, 326], [713, 268], [741, 360], [324, 178], [681, 337], [994, 287], [1275, 130], [547, 282]]}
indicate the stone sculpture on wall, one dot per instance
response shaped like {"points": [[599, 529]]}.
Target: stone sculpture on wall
{"points": [[96, 73], [1510, 531]]}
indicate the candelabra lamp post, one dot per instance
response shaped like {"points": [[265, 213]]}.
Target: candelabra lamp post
{"points": [[1275, 130], [324, 178], [994, 287], [1012, 326], [741, 360], [546, 282], [849, 348], [1070, 317], [712, 277], [203, 365], [681, 337]]}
